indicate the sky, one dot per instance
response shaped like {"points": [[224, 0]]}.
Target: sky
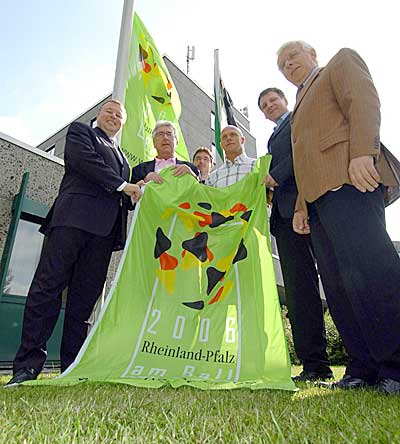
{"points": [[58, 56]]}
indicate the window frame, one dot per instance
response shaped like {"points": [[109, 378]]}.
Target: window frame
{"points": [[25, 209]]}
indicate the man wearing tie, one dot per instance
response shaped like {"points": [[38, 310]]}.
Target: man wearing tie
{"points": [[86, 223], [295, 251], [341, 177]]}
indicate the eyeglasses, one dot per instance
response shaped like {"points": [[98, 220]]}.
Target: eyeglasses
{"points": [[161, 135]]}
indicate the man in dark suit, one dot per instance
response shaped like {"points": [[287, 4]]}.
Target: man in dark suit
{"points": [[86, 223], [341, 177], [165, 138], [295, 251]]}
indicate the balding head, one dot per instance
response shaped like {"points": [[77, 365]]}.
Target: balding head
{"points": [[232, 142]]}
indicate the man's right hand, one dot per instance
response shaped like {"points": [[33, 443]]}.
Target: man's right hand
{"points": [[300, 222], [153, 176], [363, 174], [132, 190]]}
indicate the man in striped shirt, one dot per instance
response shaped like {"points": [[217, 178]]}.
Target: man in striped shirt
{"points": [[236, 164]]}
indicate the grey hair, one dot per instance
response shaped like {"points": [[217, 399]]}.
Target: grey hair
{"points": [[306, 46], [165, 123]]}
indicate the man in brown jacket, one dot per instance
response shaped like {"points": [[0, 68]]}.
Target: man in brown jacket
{"points": [[341, 179]]}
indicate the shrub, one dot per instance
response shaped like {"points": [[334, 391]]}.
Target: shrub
{"points": [[336, 352]]}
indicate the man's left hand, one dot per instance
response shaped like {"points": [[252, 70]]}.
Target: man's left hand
{"points": [[300, 222], [182, 169], [270, 181], [363, 174]]}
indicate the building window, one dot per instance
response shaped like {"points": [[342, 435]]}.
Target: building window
{"points": [[51, 150], [214, 151], [274, 247], [25, 256], [212, 120]]}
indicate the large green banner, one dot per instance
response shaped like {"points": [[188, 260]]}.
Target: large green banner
{"points": [[150, 96], [194, 301]]}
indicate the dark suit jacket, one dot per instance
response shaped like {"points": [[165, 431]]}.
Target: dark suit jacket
{"points": [[87, 198], [140, 171], [281, 169]]}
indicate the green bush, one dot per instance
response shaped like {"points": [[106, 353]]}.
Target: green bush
{"points": [[336, 352]]}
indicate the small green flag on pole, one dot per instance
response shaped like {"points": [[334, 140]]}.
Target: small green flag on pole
{"points": [[150, 96], [223, 114]]}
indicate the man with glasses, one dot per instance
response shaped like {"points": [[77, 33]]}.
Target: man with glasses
{"points": [[165, 139], [340, 174]]}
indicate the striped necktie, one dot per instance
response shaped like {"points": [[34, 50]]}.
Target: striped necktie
{"points": [[117, 152]]}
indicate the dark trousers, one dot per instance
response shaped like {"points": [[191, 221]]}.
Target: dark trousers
{"points": [[302, 295], [360, 272], [73, 258]]}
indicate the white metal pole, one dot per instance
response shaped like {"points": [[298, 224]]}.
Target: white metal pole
{"points": [[121, 69]]}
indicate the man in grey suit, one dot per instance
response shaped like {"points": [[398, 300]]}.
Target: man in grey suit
{"points": [[295, 250]]}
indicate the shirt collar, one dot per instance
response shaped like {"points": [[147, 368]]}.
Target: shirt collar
{"points": [[169, 160], [237, 161], [112, 139], [313, 71], [281, 119]]}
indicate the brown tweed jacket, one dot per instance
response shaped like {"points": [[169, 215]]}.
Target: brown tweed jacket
{"points": [[336, 118]]}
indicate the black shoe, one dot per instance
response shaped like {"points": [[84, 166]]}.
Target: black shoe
{"points": [[305, 376], [22, 375], [389, 386], [349, 382]]}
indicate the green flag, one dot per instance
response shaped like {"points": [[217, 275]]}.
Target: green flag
{"points": [[194, 301], [223, 106], [150, 96]]}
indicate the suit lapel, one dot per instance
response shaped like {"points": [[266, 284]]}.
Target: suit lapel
{"points": [[283, 125], [275, 133], [305, 89], [126, 168], [150, 166], [112, 147]]}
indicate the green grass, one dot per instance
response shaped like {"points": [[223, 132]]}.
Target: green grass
{"points": [[105, 413]]}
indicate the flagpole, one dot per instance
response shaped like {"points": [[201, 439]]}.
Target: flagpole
{"points": [[217, 108], [121, 69]]}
